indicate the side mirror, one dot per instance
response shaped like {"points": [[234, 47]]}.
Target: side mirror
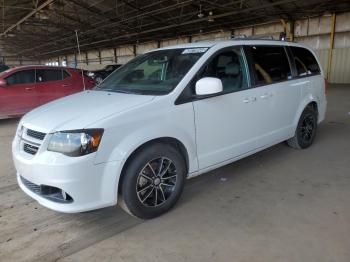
{"points": [[3, 83], [208, 86]]}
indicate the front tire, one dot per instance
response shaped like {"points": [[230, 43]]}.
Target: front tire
{"points": [[306, 129], [152, 181]]}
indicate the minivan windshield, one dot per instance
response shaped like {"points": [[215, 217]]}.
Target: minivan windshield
{"points": [[153, 73]]}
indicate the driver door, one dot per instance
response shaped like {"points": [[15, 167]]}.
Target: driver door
{"points": [[19, 95], [225, 123]]}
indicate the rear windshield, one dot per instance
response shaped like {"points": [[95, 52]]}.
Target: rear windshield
{"points": [[154, 73], [305, 62]]}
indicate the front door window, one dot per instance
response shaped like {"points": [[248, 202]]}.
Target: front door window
{"points": [[229, 67]]}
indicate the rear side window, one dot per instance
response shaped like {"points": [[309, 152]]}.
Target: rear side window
{"points": [[45, 75], [21, 77], [305, 62], [270, 64]]}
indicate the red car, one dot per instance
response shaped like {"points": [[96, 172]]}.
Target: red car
{"points": [[27, 87]]}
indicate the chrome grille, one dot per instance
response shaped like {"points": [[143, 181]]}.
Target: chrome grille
{"points": [[31, 140], [30, 149], [36, 134]]}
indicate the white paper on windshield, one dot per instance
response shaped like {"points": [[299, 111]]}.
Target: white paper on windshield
{"points": [[194, 50]]}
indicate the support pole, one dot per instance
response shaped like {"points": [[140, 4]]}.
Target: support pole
{"points": [[99, 56], [331, 46], [134, 50], [292, 26], [289, 30], [115, 55], [82, 72]]}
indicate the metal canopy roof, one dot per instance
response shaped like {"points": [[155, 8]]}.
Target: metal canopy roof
{"points": [[39, 29]]}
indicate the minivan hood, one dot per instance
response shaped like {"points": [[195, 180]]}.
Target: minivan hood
{"points": [[80, 110]]}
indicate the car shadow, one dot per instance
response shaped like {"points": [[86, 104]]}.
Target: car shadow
{"points": [[8, 122], [93, 227]]}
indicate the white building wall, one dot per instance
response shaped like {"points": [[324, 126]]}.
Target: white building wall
{"points": [[340, 70], [143, 48], [176, 41]]}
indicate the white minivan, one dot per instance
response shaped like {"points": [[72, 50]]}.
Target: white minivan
{"points": [[167, 115]]}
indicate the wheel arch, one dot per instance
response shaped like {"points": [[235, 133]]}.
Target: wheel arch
{"points": [[314, 105], [308, 101], [176, 143]]}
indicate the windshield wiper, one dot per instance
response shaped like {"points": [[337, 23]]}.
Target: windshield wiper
{"points": [[124, 91], [116, 90]]}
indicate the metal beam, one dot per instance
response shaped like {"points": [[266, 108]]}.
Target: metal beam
{"points": [[105, 25], [331, 46], [173, 26], [30, 14], [108, 27]]}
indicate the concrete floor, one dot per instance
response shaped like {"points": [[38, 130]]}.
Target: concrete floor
{"points": [[278, 205]]}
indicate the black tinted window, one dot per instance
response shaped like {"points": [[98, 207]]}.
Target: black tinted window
{"points": [[271, 64], [229, 67], [305, 61], [21, 77], [109, 68], [65, 74], [44, 75]]}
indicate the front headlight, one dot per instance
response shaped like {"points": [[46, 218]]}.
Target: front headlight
{"points": [[91, 74], [75, 143]]}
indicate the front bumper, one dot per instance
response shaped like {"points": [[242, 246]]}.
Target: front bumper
{"points": [[91, 186]]}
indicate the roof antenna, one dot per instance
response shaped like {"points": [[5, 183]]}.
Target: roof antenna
{"points": [[82, 72]]}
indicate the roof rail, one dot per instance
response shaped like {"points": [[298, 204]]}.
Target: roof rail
{"points": [[245, 37], [211, 39]]}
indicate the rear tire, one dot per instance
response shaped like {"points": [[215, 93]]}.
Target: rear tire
{"points": [[306, 129], [152, 181]]}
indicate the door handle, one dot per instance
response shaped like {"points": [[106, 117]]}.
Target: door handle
{"points": [[248, 100], [65, 85], [266, 95], [29, 88], [301, 83]]}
